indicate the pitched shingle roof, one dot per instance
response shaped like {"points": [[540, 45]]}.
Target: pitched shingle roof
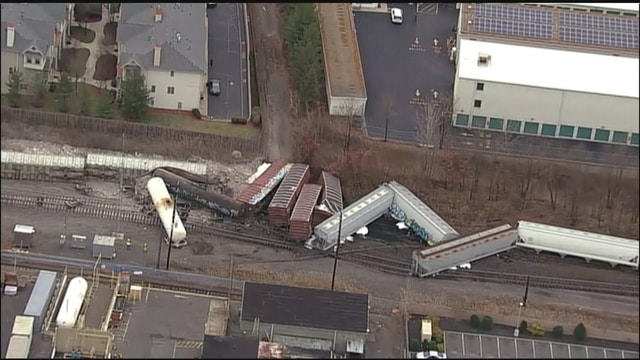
{"points": [[35, 24], [305, 307], [181, 33]]}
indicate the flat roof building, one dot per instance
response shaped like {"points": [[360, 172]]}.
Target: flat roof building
{"points": [[549, 70]]}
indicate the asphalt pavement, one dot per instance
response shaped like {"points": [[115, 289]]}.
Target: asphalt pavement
{"points": [[227, 53], [399, 59]]}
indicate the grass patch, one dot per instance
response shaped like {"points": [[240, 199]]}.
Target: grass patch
{"points": [[110, 31], [106, 68], [50, 101], [188, 122], [82, 34], [74, 62]]}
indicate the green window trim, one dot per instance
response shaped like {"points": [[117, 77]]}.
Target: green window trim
{"points": [[620, 137], [584, 133], [479, 122], [549, 130], [635, 139], [602, 135], [566, 131], [531, 127], [462, 120], [496, 124], [514, 125]]}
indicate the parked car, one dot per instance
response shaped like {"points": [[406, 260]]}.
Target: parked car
{"points": [[211, 5], [214, 87], [396, 16], [431, 355]]}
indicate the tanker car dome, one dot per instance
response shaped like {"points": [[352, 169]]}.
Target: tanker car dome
{"points": [[72, 302]]}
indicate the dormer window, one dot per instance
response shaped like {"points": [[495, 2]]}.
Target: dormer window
{"points": [[172, 73], [29, 60]]}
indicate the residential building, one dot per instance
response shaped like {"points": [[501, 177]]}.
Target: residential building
{"points": [[33, 35], [551, 70], [167, 43], [303, 318]]}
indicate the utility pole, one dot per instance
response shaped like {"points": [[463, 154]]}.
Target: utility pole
{"points": [[120, 181], [173, 225], [160, 247], [521, 305], [230, 277], [335, 259]]}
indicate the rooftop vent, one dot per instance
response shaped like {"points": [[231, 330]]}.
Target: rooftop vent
{"points": [[157, 49], [11, 34], [484, 59], [178, 36]]}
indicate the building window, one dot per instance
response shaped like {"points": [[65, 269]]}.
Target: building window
{"points": [[179, 105], [480, 86], [514, 125], [548, 130], [172, 73], [462, 120], [602, 135], [37, 61], [151, 102], [171, 90], [566, 131], [584, 133], [153, 88], [479, 122], [29, 60], [496, 124], [531, 127], [477, 103], [620, 137], [23, 86], [635, 138]]}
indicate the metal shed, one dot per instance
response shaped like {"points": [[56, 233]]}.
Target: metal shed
{"points": [[23, 236], [104, 246], [41, 297], [420, 217], [300, 223], [464, 250], [285, 197], [359, 214]]}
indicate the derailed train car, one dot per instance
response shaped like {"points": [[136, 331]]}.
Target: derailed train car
{"points": [[220, 203]]}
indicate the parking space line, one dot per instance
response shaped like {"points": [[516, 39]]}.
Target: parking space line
{"points": [[569, 348], [498, 346], [551, 349], [533, 348], [463, 352], [480, 342]]}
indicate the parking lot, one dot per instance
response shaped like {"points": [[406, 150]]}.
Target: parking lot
{"points": [[228, 61], [401, 67], [468, 345]]}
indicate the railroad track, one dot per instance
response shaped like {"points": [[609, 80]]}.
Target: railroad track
{"points": [[543, 282]]}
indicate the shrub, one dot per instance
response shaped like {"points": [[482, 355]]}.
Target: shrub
{"points": [[580, 332], [440, 347], [256, 117], [475, 321], [523, 326], [415, 345], [557, 332], [196, 113], [486, 323], [425, 345], [536, 329]]}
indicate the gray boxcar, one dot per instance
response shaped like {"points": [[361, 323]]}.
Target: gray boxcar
{"points": [[41, 297]]}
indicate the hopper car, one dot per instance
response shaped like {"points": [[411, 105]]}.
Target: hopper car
{"points": [[197, 192]]}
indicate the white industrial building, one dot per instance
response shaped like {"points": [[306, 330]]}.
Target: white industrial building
{"points": [[346, 92], [554, 70]]}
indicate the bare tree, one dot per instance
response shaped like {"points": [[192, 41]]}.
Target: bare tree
{"points": [[525, 181], [555, 179], [433, 116]]}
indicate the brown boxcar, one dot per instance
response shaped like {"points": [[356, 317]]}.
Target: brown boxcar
{"points": [[255, 193], [300, 227], [331, 199], [285, 198]]}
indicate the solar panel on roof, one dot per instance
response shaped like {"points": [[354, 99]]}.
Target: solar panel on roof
{"points": [[513, 28], [599, 30], [496, 11]]}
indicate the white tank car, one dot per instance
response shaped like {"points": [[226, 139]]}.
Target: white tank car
{"points": [[164, 205], [72, 303]]}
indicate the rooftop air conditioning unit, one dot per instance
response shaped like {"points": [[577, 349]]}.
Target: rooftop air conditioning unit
{"points": [[484, 59]]}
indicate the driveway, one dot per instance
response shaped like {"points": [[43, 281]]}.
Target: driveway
{"points": [[397, 60], [227, 49]]}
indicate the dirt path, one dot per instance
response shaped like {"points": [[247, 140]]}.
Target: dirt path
{"points": [[273, 79]]}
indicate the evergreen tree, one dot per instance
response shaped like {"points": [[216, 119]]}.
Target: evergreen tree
{"points": [[13, 94], [63, 91], [135, 96]]}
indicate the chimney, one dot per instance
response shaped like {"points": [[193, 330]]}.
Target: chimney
{"points": [[158, 14], [157, 48], [11, 34]]}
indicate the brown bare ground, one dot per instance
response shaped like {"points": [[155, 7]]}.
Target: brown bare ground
{"points": [[476, 191]]}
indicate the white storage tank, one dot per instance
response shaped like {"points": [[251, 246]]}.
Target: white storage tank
{"points": [[72, 303], [164, 205]]}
